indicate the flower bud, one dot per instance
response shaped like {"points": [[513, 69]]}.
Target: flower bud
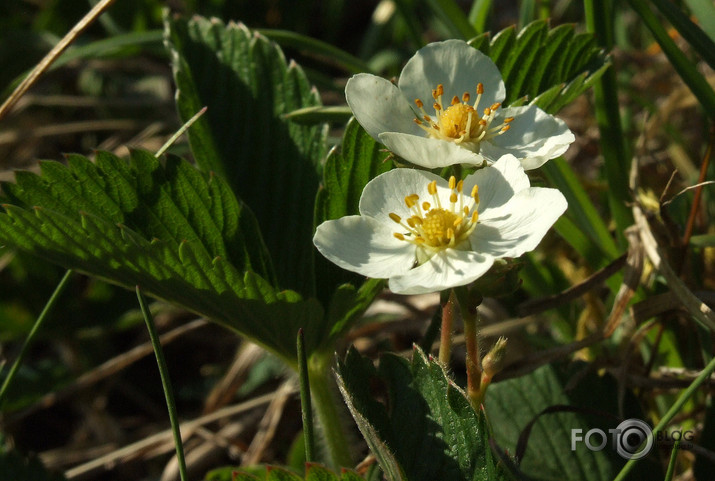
{"points": [[493, 362]]}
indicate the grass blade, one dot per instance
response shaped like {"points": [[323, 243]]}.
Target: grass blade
{"points": [[31, 336], [165, 383], [689, 30], [685, 68], [613, 145]]}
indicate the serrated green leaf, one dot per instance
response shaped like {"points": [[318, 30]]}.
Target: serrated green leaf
{"points": [[348, 169], [271, 163], [179, 234], [430, 430], [274, 473], [511, 405], [346, 306], [541, 64], [522, 57], [348, 475], [316, 472]]}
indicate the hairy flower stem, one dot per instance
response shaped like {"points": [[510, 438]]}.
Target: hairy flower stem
{"points": [[445, 340], [327, 408], [470, 318]]}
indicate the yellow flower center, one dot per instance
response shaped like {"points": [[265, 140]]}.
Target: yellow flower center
{"points": [[434, 227], [460, 122]]}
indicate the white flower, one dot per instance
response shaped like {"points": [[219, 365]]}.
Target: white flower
{"points": [[464, 89], [426, 234]]}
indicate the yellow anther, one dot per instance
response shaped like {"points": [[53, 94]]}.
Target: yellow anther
{"points": [[399, 236], [495, 106], [426, 206], [455, 100], [419, 240], [432, 187], [483, 122], [475, 193], [465, 210], [508, 119], [465, 97], [450, 233], [480, 88], [395, 217], [411, 200], [427, 118], [505, 128], [460, 186], [417, 121], [440, 89], [475, 217], [458, 221], [487, 111], [416, 220], [453, 198], [452, 182], [419, 103], [437, 106]]}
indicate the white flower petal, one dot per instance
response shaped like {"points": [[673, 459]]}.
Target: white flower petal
{"points": [[379, 106], [520, 224], [449, 268], [426, 152], [456, 65], [533, 137], [364, 245], [497, 183], [386, 193]]}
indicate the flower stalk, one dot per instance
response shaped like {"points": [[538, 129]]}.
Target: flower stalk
{"points": [[445, 340], [327, 408], [469, 308]]}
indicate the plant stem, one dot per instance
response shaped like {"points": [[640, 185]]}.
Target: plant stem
{"points": [[445, 338], [470, 318], [699, 191], [30, 337], [327, 409], [305, 401], [165, 383]]}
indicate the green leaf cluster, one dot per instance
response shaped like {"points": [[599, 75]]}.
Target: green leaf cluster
{"points": [[428, 430], [272, 164], [188, 236], [179, 234], [547, 67]]}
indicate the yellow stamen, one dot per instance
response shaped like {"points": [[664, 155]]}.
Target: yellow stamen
{"points": [[432, 187]]}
